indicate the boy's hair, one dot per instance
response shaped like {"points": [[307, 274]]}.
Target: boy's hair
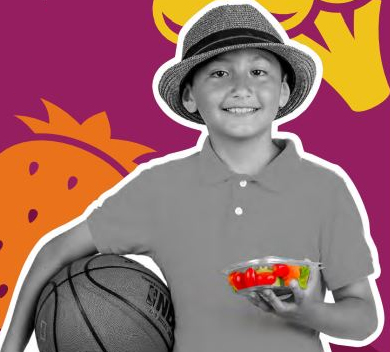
{"points": [[231, 27]]}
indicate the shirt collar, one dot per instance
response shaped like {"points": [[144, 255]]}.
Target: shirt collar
{"points": [[276, 175]]}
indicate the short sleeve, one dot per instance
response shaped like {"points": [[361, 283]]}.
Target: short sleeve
{"points": [[122, 224], [344, 251]]}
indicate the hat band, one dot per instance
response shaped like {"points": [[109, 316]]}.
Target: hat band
{"points": [[230, 37]]}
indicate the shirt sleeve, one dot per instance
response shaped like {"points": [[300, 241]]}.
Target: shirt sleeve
{"points": [[345, 254], [122, 224]]}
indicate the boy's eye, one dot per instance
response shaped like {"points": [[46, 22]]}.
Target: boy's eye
{"points": [[219, 74], [259, 72]]}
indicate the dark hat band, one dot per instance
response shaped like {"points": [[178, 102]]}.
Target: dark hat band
{"points": [[230, 37]]}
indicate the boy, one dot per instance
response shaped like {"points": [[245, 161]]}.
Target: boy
{"points": [[243, 196]]}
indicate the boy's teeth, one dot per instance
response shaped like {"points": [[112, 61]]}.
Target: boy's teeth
{"points": [[241, 110]]}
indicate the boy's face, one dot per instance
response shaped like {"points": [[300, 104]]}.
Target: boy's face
{"points": [[238, 93]]}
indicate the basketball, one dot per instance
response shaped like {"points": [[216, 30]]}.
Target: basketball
{"points": [[105, 303]]}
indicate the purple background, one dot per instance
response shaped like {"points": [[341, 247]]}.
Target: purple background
{"points": [[89, 56]]}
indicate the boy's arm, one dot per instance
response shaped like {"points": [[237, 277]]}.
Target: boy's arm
{"points": [[357, 301], [352, 316], [61, 250]]}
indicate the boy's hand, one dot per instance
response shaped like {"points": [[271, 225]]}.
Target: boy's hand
{"points": [[294, 310], [352, 316]]}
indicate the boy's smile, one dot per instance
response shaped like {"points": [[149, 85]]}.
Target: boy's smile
{"points": [[238, 93]]}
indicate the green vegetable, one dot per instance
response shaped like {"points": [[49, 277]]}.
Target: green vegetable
{"points": [[264, 269], [278, 282], [304, 277]]}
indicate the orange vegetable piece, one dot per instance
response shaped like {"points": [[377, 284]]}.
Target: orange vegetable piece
{"points": [[294, 273]]}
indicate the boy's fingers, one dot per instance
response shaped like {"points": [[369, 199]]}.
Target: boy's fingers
{"points": [[297, 292], [274, 301], [259, 302], [264, 302]]}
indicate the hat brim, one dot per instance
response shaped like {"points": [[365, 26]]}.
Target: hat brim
{"points": [[302, 64]]}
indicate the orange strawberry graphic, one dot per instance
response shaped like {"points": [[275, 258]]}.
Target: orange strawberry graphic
{"points": [[49, 181]]}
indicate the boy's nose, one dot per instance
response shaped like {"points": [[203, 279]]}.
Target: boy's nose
{"points": [[241, 87]]}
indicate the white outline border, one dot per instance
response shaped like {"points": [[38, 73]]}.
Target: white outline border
{"points": [[325, 339]]}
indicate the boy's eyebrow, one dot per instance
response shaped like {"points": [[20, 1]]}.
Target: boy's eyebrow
{"points": [[218, 59], [262, 57]]}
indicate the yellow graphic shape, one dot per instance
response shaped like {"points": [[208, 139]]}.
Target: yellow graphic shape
{"points": [[45, 183], [352, 65], [177, 12], [299, 9]]}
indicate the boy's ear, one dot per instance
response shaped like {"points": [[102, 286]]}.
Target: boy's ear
{"points": [[187, 98], [284, 92]]}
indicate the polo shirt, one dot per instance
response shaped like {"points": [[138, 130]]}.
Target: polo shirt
{"points": [[194, 217]]}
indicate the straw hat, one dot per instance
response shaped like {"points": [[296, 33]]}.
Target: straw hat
{"points": [[231, 27]]}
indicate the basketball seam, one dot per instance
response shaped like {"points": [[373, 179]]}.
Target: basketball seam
{"points": [[55, 314], [55, 319], [87, 270], [83, 313], [102, 267], [148, 271]]}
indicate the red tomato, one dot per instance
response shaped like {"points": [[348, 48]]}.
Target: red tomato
{"points": [[238, 280], [281, 270], [265, 278], [260, 279], [270, 279], [250, 277]]}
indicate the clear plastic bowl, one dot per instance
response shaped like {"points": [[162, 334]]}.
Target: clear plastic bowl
{"points": [[271, 272]]}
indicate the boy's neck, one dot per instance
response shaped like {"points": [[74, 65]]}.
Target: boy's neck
{"points": [[245, 156]]}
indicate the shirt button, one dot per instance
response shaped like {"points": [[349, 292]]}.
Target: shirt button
{"points": [[243, 183], [238, 211]]}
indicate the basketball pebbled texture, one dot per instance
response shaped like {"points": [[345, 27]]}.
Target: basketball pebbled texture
{"points": [[105, 303]]}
